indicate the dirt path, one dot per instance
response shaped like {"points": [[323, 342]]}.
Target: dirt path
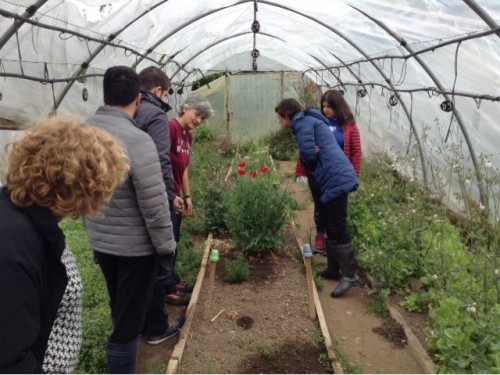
{"points": [[275, 334], [349, 322]]}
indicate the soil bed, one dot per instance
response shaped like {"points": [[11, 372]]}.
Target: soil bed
{"points": [[264, 327], [392, 331]]}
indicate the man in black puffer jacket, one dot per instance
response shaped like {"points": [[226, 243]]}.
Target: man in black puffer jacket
{"points": [[152, 119]]}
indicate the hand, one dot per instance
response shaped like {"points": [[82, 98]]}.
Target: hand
{"points": [[188, 210], [317, 149], [178, 204]]}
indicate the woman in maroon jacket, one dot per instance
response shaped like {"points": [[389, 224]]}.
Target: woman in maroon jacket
{"points": [[346, 132]]}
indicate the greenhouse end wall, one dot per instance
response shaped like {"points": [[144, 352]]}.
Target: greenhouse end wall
{"points": [[244, 103]]}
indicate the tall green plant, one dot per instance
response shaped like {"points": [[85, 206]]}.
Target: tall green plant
{"points": [[256, 210], [213, 207]]}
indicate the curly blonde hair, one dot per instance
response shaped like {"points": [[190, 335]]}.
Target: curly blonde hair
{"points": [[66, 166]]}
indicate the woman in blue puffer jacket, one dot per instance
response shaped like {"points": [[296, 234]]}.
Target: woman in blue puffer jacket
{"points": [[336, 177]]}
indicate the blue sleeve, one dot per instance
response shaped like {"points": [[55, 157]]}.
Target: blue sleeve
{"points": [[306, 142]]}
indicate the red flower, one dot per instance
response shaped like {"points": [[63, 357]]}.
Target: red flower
{"points": [[242, 164], [242, 172], [253, 174], [264, 170]]}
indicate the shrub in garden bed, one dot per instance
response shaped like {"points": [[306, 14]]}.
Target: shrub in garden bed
{"points": [[256, 210], [237, 270]]}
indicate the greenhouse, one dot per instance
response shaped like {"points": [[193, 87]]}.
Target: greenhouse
{"points": [[422, 78]]}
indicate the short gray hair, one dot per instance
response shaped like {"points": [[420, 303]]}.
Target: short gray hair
{"points": [[198, 103]]}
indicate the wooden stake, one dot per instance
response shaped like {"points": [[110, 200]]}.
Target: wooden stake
{"points": [[216, 316], [214, 257], [307, 254]]}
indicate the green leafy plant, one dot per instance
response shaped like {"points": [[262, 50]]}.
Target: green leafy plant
{"points": [[237, 270], [412, 303], [188, 260], [455, 259], [269, 351], [318, 337], [96, 314], [377, 302], [205, 80], [256, 210], [324, 360], [466, 339], [283, 146], [204, 134], [213, 207]]}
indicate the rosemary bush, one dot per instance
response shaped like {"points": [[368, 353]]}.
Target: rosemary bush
{"points": [[256, 210]]}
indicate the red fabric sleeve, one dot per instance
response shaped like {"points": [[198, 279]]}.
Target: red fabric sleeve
{"points": [[354, 148], [300, 169]]}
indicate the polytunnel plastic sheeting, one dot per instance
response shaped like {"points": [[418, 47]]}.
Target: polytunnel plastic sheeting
{"points": [[251, 100], [343, 44]]}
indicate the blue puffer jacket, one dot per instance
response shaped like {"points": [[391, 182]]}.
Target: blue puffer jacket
{"points": [[332, 170]]}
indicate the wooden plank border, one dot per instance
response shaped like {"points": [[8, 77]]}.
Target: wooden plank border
{"points": [[176, 357], [418, 351], [337, 367]]}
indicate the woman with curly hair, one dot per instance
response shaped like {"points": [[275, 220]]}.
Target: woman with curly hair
{"points": [[60, 168]]}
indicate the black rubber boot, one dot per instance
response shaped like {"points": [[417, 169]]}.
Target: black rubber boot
{"points": [[347, 261], [332, 271]]}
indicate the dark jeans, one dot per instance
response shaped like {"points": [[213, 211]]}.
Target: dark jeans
{"points": [[130, 282], [157, 317], [336, 220], [177, 235], [319, 208]]}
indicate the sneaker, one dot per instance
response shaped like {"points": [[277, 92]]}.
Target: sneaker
{"points": [[178, 298], [171, 331], [319, 244], [183, 287]]}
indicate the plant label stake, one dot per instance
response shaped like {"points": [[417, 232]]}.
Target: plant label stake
{"points": [[307, 253], [214, 258]]}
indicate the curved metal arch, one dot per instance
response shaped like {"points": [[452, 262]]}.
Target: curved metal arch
{"points": [[72, 33], [435, 79], [17, 23], [360, 50], [482, 14], [201, 16], [216, 43], [328, 69], [98, 49], [417, 137], [360, 81], [186, 24]]}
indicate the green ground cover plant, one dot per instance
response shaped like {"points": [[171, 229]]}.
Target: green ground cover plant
{"points": [[405, 237], [282, 145], [237, 270], [96, 314]]}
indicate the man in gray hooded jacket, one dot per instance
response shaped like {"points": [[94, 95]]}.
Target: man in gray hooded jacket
{"points": [[136, 227]]}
